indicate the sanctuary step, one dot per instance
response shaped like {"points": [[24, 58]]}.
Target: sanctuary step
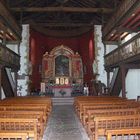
{"points": [[63, 100]]}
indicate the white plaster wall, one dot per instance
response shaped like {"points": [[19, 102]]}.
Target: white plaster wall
{"points": [[24, 61], [99, 52], [110, 48], [132, 84], [13, 47], [2, 94]]}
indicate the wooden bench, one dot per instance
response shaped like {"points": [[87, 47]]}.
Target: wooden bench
{"points": [[98, 103], [12, 125], [107, 112], [26, 115], [48, 105], [24, 108], [100, 125], [13, 135], [123, 132], [95, 99], [103, 106]]}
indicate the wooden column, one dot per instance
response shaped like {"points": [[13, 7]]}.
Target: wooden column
{"points": [[4, 37], [123, 73], [108, 82], [16, 76], [18, 48], [104, 49], [0, 82], [108, 79]]}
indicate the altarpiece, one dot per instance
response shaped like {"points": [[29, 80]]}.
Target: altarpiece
{"points": [[62, 67]]}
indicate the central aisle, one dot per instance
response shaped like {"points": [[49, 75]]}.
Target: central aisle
{"points": [[64, 124]]}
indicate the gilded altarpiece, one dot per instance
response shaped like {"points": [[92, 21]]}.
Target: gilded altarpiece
{"points": [[62, 67]]}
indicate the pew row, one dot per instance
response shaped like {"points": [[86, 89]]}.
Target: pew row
{"points": [[24, 115], [130, 133], [100, 125], [99, 115], [13, 135]]}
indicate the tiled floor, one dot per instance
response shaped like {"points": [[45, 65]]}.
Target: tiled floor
{"points": [[63, 124]]}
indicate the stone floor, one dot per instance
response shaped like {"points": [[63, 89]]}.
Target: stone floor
{"points": [[63, 124]]}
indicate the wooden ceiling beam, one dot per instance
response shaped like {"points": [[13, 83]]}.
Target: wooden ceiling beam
{"points": [[125, 29], [60, 33], [61, 24], [63, 9], [9, 21], [121, 17], [65, 1]]}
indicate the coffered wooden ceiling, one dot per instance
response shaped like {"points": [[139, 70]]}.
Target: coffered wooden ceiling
{"points": [[68, 18], [62, 17]]}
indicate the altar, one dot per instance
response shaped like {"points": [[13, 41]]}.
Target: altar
{"points": [[60, 91]]}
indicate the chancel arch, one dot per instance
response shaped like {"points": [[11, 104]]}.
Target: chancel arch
{"points": [[62, 66]]}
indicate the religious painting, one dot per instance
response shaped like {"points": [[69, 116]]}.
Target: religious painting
{"points": [[62, 65], [77, 68]]}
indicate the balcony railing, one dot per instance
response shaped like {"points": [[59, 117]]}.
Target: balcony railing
{"points": [[122, 10], [9, 58], [123, 52]]}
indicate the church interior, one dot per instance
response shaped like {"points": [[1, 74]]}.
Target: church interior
{"points": [[69, 69]]}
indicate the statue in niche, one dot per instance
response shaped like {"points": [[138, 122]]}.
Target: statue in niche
{"points": [[62, 65]]}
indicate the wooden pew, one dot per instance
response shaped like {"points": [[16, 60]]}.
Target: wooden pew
{"points": [[31, 101], [12, 125], [100, 125], [107, 112], [20, 109], [96, 98], [26, 115], [106, 105], [93, 103], [25, 108], [13, 135], [123, 132]]}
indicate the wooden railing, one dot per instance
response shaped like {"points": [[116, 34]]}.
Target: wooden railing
{"points": [[123, 52], [122, 10], [9, 58]]}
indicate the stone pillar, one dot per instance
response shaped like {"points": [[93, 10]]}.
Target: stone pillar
{"points": [[99, 54], [23, 74]]}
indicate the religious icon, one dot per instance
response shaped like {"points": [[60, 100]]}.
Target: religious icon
{"points": [[57, 80], [61, 81], [66, 81], [62, 65]]}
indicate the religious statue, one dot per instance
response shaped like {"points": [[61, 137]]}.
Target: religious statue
{"points": [[95, 67]]}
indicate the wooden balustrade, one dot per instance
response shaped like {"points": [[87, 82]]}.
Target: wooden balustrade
{"points": [[9, 58], [123, 52], [122, 10]]}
